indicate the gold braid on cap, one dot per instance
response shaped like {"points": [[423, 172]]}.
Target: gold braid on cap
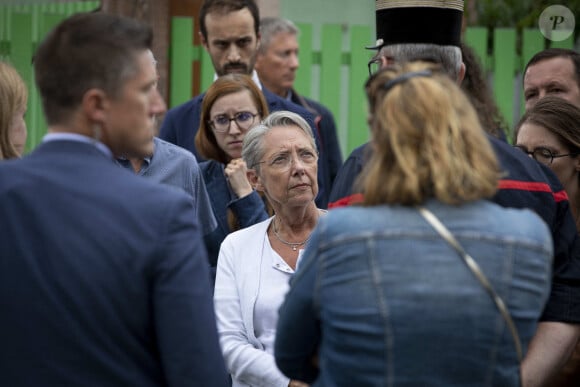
{"points": [[450, 4]]}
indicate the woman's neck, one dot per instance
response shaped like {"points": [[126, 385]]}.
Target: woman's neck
{"points": [[297, 217]]}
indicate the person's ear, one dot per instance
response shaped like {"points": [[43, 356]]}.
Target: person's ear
{"points": [[95, 105], [461, 74], [254, 180], [258, 40], [258, 63], [577, 162], [204, 42]]}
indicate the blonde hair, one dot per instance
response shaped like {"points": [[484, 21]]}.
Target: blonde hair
{"points": [[427, 141], [13, 98]]}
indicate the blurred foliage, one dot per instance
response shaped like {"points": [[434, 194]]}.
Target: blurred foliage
{"points": [[515, 13]]}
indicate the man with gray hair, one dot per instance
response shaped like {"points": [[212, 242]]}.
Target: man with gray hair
{"points": [[276, 64], [434, 36]]}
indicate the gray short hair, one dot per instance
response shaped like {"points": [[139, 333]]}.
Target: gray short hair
{"points": [[252, 148], [272, 26], [449, 57]]}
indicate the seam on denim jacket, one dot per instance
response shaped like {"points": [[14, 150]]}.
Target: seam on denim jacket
{"points": [[384, 310]]}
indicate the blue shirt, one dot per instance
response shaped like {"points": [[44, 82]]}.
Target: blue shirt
{"points": [[177, 167]]}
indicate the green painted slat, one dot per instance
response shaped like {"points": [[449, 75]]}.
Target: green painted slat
{"points": [[4, 40], [85, 6], [196, 53], [357, 131], [21, 52], [532, 43], [4, 12], [303, 81], [20, 57], [330, 78], [180, 58], [567, 43], [504, 63], [476, 38], [49, 21]]}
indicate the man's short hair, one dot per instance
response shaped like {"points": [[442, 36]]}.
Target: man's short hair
{"points": [[272, 26], [448, 57], [227, 6], [85, 51], [551, 53]]}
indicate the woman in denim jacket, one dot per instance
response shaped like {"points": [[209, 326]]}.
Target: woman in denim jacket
{"points": [[381, 299], [230, 107]]}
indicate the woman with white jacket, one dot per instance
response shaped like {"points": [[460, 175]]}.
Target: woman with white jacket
{"points": [[255, 263]]}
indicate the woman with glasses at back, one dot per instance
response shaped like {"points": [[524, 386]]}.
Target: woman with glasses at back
{"points": [[230, 107], [550, 133]]}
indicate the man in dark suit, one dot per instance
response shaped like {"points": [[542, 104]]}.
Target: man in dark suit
{"points": [[276, 64], [229, 31], [103, 275]]}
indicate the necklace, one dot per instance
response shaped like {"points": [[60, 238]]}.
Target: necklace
{"points": [[293, 245]]}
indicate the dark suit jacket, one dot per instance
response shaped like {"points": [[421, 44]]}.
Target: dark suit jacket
{"points": [[330, 148], [182, 122], [103, 277]]}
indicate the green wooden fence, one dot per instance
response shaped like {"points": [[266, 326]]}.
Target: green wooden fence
{"points": [[340, 69], [334, 74]]}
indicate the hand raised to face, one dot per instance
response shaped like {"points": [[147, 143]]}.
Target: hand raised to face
{"points": [[236, 175]]}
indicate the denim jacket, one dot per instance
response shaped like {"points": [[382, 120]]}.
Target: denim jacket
{"points": [[384, 300]]}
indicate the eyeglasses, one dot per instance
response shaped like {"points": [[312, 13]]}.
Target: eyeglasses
{"points": [[283, 162], [221, 123], [375, 65], [543, 155]]}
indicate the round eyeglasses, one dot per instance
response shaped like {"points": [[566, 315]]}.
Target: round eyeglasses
{"points": [[283, 162], [221, 123], [543, 154]]}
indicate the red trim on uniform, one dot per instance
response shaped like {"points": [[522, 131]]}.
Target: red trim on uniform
{"points": [[560, 196], [532, 186], [347, 201]]}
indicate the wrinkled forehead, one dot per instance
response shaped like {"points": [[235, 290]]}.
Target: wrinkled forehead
{"points": [[290, 138], [230, 22], [559, 65]]}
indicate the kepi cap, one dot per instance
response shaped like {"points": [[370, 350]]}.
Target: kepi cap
{"points": [[418, 21]]}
